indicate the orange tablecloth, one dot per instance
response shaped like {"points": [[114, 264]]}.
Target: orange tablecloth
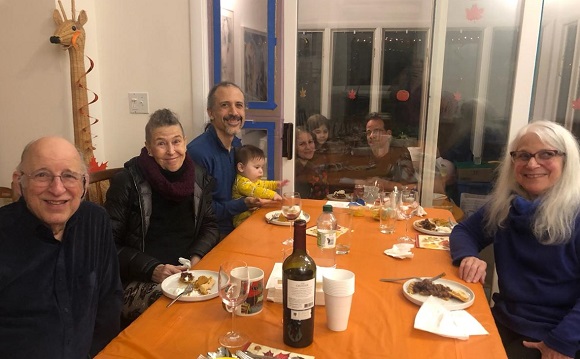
{"points": [[381, 319]]}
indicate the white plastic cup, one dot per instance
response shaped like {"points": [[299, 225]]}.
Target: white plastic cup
{"points": [[337, 311], [338, 287]]}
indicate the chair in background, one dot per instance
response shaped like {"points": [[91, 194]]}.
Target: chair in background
{"points": [[5, 196], [99, 183]]}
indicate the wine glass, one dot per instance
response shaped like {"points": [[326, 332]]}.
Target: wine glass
{"points": [[233, 285], [407, 204], [291, 209]]}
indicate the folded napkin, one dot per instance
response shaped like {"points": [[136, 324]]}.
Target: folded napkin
{"points": [[260, 349], [392, 252], [420, 212], [434, 318], [185, 262], [274, 284]]}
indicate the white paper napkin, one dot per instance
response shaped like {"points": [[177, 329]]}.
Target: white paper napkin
{"points": [[185, 262], [397, 254], [434, 318], [420, 212], [274, 285]]}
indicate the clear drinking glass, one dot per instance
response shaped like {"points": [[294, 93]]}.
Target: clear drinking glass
{"points": [[291, 209], [406, 206], [234, 286]]}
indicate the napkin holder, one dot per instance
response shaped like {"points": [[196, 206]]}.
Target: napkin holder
{"points": [[274, 285]]}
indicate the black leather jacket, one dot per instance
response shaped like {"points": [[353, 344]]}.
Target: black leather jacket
{"points": [[129, 204]]}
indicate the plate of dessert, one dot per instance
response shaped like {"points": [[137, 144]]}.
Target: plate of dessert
{"points": [[204, 285], [433, 226], [277, 218], [448, 293], [340, 196]]}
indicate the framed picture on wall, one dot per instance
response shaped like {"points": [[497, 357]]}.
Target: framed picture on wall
{"points": [[255, 79], [227, 45]]}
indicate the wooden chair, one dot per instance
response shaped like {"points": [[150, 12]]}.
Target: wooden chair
{"points": [[5, 196], [99, 183]]}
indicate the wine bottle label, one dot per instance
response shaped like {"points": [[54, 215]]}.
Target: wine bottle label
{"points": [[301, 314], [326, 239], [301, 294]]}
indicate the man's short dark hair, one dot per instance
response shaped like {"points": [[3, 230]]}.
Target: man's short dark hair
{"points": [[211, 95]]}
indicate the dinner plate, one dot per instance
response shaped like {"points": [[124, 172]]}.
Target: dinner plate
{"points": [[451, 304], [272, 217], [331, 197], [172, 286], [438, 231]]}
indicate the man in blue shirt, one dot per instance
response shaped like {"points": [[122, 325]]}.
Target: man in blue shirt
{"points": [[214, 149], [60, 291]]}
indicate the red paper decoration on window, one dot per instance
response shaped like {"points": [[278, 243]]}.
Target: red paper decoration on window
{"points": [[402, 95], [474, 13]]}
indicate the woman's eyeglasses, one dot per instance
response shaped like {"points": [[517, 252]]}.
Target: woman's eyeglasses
{"points": [[541, 156]]}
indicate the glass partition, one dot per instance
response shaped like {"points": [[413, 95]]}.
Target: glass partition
{"points": [[375, 56], [557, 80]]}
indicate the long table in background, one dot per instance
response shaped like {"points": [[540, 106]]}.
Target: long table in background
{"points": [[381, 319]]}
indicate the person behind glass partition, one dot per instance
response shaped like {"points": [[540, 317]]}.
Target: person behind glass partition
{"points": [[389, 166], [161, 209], [311, 180], [318, 125], [533, 221]]}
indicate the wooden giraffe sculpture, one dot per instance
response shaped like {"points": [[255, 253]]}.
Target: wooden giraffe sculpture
{"points": [[71, 35]]}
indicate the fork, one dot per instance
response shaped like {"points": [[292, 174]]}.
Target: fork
{"points": [[187, 290], [405, 278], [452, 223], [247, 355]]}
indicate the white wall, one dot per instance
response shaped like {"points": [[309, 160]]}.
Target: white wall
{"points": [[137, 46], [34, 89]]}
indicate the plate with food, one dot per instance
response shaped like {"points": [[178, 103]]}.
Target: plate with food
{"points": [[433, 242], [277, 218], [448, 293], [433, 226], [340, 196], [204, 285]]}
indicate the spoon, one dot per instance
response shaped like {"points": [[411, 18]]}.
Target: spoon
{"points": [[405, 278]]}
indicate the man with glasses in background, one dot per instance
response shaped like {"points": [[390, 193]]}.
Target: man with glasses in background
{"points": [[389, 166], [60, 292]]}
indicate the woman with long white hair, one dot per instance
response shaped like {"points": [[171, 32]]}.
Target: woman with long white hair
{"points": [[533, 220]]}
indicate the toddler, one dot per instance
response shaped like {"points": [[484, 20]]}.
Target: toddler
{"points": [[250, 167]]}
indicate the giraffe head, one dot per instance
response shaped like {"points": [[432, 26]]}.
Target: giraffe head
{"points": [[69, 32]]}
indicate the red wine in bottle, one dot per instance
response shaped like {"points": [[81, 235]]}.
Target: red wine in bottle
{"points": [[298, 291]]}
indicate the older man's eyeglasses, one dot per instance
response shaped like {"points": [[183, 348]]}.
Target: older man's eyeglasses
{"points": [[541, 156], [375, 132], [44, 178]]}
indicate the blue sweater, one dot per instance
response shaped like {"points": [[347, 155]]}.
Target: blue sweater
{"points": [[208, 151], [539, 285]]}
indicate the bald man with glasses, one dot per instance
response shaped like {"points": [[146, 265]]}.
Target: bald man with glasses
{"points": [[60, 291]]}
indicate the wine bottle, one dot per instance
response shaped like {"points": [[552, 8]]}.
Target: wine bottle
{"points": [[298, 292]]}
